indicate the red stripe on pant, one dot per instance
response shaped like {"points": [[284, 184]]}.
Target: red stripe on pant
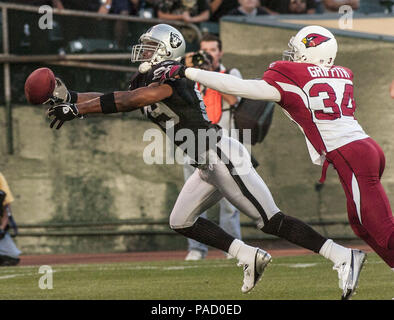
{"points": [[360, 165]]}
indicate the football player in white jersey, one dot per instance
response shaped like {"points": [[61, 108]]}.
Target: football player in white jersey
{"points": [[318, 97]]}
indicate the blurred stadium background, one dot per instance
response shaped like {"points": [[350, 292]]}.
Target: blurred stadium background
{"points": [[86, 188]]}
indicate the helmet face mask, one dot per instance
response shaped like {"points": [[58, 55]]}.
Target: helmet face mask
{"points": [[148, 51], [313, 44], [159, 43], [288, 55]]}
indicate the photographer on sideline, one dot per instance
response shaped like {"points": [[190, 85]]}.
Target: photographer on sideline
{"points": [[219, 110], [9, 253]]}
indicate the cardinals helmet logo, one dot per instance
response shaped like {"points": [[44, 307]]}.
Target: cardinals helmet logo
{"points": [[314, 39]]}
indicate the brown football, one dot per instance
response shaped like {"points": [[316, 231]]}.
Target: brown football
{"points": [[39, 85]]}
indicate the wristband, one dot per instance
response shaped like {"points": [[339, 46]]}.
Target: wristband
{"points": [[73, 96], [107, 103]]}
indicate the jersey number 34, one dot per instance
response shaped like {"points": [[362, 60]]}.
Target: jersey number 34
{"points": [[327, 107]]}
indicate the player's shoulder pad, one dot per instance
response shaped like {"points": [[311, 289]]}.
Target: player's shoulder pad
{"points": [[350, 72], [281, 65], [137, 80], [288, 69]]}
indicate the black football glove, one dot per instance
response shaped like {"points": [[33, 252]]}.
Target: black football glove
{"points": [[176, 71], [62, 113]]}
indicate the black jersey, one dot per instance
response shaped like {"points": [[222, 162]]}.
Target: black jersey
{"points": [[182, 116]]}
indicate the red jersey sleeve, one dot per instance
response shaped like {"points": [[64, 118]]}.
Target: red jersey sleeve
{"points": [[280, 71]]}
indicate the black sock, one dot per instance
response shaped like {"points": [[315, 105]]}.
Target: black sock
{"points": [[295, 231], [209, 233]]}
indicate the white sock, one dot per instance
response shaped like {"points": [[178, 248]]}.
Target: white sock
{"points": [[334, 252], [242, 251], [234, 247]]}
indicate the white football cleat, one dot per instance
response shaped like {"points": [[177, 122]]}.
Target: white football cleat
{"points": [[349, 272], [194, 255], [254, 271]]}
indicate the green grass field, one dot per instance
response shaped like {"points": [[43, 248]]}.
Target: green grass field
{"points": [[287, 278]]}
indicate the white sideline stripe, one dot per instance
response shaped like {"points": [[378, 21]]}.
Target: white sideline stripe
{"points": [[109, 267], [302, 265], [16, 275], [168, 268], [177, 267], [8, 277], [356, 196]]}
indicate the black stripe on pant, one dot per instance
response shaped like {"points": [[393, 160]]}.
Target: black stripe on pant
{"points": [[241, 185]]}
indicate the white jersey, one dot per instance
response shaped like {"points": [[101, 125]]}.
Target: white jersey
{"points": [[320, 101]]}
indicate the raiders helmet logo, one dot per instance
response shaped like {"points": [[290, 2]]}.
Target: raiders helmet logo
{"points": [[314, 39], [175, 40]]}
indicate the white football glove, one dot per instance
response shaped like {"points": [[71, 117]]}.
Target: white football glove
{"points": [[60, 94]]}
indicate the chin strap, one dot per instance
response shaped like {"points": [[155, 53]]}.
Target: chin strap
{"points": [[145, 67]]}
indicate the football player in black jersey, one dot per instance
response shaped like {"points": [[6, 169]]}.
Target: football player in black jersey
{"points": [[224, 168]]}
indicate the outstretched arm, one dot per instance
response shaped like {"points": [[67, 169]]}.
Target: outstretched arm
{"points": [[127, 100], [226, 83], [119, 101], [86, 96], [62, 94]]}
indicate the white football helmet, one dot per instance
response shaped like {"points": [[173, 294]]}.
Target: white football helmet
{"points": [[161, 42], [313, 44]]}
